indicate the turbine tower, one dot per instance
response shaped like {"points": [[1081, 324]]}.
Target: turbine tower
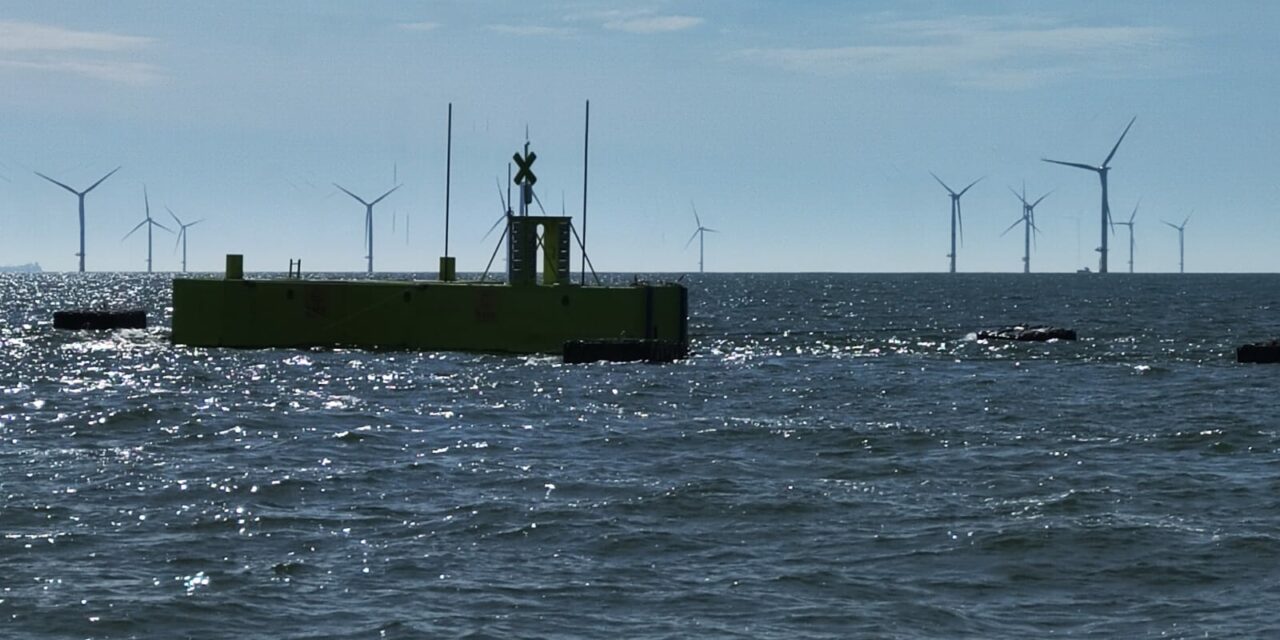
{"points": [[1106, 208], [1130, 225], [1180, 227], [700, 234], [182, 235], [956, 219], [1028, 220], [80, 195], [150, 225], [368, 218]]}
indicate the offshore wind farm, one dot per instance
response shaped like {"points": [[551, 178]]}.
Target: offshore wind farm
{"points": [[862, 190], [1027, 219]]}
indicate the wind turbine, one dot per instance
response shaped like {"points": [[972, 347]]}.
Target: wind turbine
{"points": [[1106, 208], [1180, 227], [700, 234], [182, 235], [368, 218], [956, 219], [1130, 225], [80, 195], [150, 225], [1028, 220]]}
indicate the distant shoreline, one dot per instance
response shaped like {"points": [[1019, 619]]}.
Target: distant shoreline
{"points": [[30, 267]]}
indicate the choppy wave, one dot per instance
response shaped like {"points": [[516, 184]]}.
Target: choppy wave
{"points": [[840, 457]]}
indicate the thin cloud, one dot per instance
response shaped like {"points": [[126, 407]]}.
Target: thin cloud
{"points": [[530, 30], [654, 24], [28, 36], [638, 21], [987, 52], [419, 26], [41, 48], [130, 73]]}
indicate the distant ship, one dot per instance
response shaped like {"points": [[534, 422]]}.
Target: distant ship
{"points": [[30, 267]]}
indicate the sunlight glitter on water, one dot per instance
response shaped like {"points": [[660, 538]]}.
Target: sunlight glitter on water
{"points": [[862, 461]]}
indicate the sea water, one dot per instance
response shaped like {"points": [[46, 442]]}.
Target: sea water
{"points": [[838, 457]]}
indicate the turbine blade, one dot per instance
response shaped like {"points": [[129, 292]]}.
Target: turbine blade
{"points": [[501, 199], [178, 239], [1021, 198], [57, 183], [1015, 223], [157, 224], [385, 195], [1113, 149], [691, 238], [1172, 225], [175, 216], [100, 180], [709, 230], [944, 185], [1072, 164], [1188, 218], [969, 187], [193, 223], [695, 214], [1135, 212], [495, 225], [1033, 205], [146, 201], [344, 190], [139, 226]]}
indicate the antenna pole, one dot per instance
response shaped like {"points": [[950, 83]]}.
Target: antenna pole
{"points": [[448, 169], [586, 139]]}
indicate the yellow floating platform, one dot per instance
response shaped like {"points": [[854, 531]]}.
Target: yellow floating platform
{"points": [[421, 315]]}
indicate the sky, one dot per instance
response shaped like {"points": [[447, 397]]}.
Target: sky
{"points": [[803, 132]]}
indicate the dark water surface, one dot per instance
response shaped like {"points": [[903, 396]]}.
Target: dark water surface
{"points": [[839, 458]]}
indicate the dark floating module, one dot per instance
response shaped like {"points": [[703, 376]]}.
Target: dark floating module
{"points": [[84, 319], [584, 351], [1259, 352], [1027, 334]]}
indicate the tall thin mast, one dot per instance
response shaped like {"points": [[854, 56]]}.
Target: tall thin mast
{"points": [[586, 139], [448, 168]]}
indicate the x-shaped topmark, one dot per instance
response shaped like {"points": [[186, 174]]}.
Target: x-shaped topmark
{"points": [[525, 175]]}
